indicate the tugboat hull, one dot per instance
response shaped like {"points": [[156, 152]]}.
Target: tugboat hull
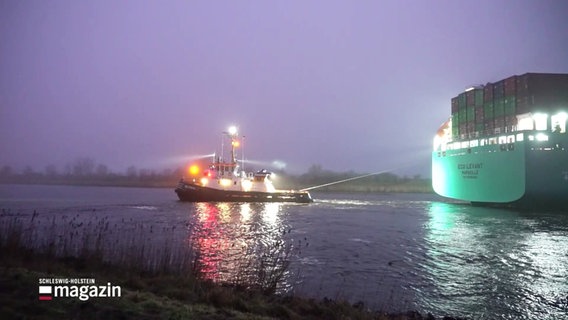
{"points": [[195, 193]]}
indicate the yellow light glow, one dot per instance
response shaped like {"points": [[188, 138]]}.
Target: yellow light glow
{"points": [[236, 143], [247, 185], [194, 170], [204, 181], [225, 182]]}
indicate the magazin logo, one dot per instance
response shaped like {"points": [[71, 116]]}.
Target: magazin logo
{"points": [[81, 292]]}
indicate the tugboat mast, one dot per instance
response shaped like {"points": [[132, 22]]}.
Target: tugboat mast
{"points": [[234, 142]]}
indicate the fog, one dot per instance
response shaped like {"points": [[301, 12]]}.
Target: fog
{"points": [[357, 86]]}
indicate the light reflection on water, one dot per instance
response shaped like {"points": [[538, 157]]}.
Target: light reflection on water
{"points": [[495, 264], [398, 254], [236, 242]]}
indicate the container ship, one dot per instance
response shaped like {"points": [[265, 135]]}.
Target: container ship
{"points": [[505, 143], [225, 181]]}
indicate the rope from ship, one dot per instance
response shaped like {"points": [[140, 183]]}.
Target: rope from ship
{"points": [[349, 179]]}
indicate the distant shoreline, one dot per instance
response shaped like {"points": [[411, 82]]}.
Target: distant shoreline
{"points": [[316, 178]]}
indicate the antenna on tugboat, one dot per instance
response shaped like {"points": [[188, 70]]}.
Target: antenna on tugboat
{"points": [[231, 132], [234, 142], [243, 153]]}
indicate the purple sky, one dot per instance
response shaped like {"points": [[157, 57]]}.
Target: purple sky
{"points": [[350, 85]]}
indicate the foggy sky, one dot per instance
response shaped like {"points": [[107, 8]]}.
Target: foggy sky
{"points": [[350, 85]]}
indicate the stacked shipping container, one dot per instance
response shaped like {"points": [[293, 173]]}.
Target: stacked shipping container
{"points": [[494, 108], [467, 112]]}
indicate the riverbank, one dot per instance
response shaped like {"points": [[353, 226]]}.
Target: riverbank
{"points": [[157, 280], [158, 296]]}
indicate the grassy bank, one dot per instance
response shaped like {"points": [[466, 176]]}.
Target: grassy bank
{"points": [[154, 296], [160, 279]]}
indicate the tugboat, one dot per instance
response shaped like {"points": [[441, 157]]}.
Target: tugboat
{"points": [[226, 182]]}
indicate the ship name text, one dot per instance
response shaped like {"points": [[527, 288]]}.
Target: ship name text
{"points": [[470, 170]]}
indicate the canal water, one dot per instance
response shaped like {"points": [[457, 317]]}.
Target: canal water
{"points": [[392, 252]]}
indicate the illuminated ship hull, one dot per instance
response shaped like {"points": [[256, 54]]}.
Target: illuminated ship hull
{"points": [[506, 143], [192, 192], [526, 173]]}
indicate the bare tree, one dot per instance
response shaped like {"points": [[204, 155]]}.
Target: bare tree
{"points": [[28, 171], [6, 171], [102, 170], [132, 172], [83, 167], [51, 170]]}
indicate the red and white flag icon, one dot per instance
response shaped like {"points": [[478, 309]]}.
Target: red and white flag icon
{"points": [[45, 293]]}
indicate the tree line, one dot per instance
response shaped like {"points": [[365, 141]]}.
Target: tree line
{"points": [[383, 182], [85, 171]]}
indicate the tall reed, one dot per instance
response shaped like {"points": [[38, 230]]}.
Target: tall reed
{"points": [[142, 248]]}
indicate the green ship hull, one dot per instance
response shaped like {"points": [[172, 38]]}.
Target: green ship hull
{"points": [[506, 143], [530, 171]]}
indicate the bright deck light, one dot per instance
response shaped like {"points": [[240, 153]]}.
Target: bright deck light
{"points": [[437, 142], [525, 123], [540, 120], [562, 115], [247, 185], [559, 122], [232, 130], [225, 182]]}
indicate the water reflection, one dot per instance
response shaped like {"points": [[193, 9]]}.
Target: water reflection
{"points": [[241, 243], [495, 264]]}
